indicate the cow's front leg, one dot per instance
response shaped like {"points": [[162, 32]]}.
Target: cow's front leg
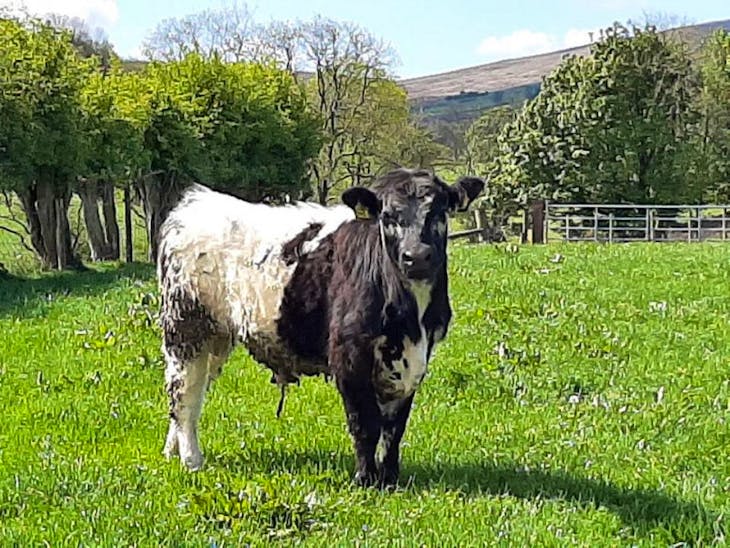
{"points": [[395, 416], [364, 423]]}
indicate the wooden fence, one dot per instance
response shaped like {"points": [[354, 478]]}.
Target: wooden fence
{"points": [[630, 223]]}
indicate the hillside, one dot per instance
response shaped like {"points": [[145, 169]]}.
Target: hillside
{"points": [[464, 93]]}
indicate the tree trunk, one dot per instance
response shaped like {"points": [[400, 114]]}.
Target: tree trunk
{"points": [[46, 210], [46, 207], [89, 195], [103, 236], [128, 241], [159, 195], [28, 200], [111, 226]]}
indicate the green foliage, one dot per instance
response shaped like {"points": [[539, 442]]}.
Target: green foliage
{"points": [[609, 127], [116, 112], [41, 78], [467, 107], [242, 127], [482, 138], [713, 139], [581, 402]]}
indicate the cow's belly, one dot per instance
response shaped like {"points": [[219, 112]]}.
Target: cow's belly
{"points": [[261, 288], [398, 374]]}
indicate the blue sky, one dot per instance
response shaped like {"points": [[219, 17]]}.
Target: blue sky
{"points": [[429, 35]]}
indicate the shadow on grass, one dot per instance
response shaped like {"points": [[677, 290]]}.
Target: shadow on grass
{"points": [[643, 510], [22, 297]]}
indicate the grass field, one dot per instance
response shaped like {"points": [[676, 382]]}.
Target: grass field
{"points": [[581, 398]]}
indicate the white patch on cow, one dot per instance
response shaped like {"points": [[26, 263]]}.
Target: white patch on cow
{"points": [[441, 228], [408, 372], [389, 408], [384, 443], [228, 252]]}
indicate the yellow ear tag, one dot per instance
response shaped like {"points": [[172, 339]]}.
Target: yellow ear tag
{"points": [[361, 212]]}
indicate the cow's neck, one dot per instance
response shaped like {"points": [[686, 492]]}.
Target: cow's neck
{"points": [[421, 291]]}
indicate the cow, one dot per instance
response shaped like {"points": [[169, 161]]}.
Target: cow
{"points": [[357, 291]]}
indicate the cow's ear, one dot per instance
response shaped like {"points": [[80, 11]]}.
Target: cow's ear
{"points": [[464, 192], [363, 202]]}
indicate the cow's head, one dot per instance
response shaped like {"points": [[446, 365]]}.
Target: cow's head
{"points": [[412, 208]]}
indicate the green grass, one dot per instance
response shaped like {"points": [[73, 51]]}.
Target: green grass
{"points": [[582, 400]]}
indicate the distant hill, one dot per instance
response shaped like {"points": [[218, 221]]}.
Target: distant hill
{"points": [[463, 94]]}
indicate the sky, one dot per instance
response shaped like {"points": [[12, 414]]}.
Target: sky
{"points": [[429, 36]]}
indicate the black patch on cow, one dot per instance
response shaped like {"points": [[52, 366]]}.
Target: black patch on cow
{"points": [[173, 392], [405, 364], [291, 251], [186, 325], [303, 317]]}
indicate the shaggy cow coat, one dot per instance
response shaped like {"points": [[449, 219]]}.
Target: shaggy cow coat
{"points": [[358, 291]]}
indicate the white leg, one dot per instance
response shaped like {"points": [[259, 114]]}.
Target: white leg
{"points": [[186, 385]]}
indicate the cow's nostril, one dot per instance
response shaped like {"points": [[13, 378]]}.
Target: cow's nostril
{"points": [[407, 258]]}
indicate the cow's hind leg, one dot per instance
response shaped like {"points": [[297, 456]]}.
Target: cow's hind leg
{"points": [[186, 384]]}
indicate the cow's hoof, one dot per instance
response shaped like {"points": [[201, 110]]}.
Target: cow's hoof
{"points": [[171, 449], [388, 480], [193, 462], [365, 479]]}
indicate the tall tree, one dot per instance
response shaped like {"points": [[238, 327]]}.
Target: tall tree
{"points": [[244, 128], [348, 63], [713, 146], [228, 32], [115, 109], [607, 127], [41, 144]]}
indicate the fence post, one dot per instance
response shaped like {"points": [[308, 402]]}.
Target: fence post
{"points": [[525, 225], [610, 227], [699, 225], [689, 226], [538, 222], [480, 217], [647, 231], [595, 225], [724, 224], [128, 242]]}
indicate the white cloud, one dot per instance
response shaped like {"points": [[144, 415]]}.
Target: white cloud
{"points": [[526, 42], [96, 13]]}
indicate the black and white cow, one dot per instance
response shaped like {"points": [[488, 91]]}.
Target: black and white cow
{"points": [[358, 291]]}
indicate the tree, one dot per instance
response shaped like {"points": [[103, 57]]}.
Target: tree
{"points": [[347, 62], [115, 110], [41, 146], [713, 141], [243, 128], [88, 42], [228, 32], [482, 146], [608, 127]]}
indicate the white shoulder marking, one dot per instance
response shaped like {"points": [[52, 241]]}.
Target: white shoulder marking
{"points": [[408, 372]]}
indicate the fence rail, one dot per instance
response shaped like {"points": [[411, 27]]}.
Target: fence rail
{"points": [[635, 223]]}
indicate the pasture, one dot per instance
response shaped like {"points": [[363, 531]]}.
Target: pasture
{"points": [[582, 397]]}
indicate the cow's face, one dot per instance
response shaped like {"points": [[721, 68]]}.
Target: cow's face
{"points": [[412, 209]]}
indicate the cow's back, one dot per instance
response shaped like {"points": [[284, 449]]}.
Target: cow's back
{"points": [[234, 257]]}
